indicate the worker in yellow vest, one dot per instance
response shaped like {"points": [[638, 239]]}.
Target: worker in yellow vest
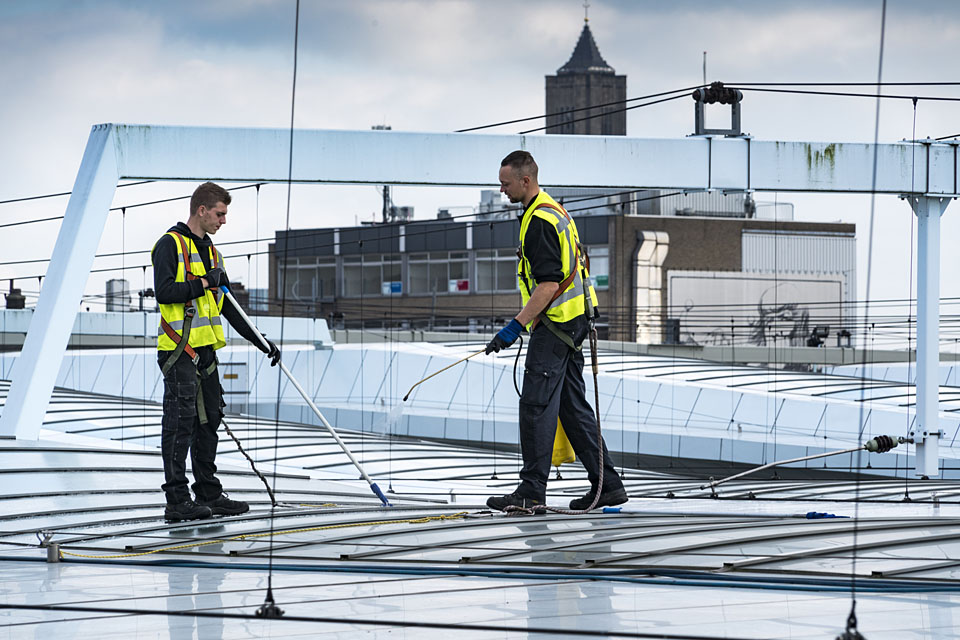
{"points": [[559, 305], [187, 273]]}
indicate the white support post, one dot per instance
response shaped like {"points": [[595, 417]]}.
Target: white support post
{"points": [[927, 431], [35, 371]]}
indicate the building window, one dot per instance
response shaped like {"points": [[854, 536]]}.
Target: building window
{"points": [[438, 272], [369, 276], [309, 279], [496, 270], [418, 273], [599, 266]]}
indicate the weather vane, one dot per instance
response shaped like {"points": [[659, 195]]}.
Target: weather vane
{"points": [[586, 9]]}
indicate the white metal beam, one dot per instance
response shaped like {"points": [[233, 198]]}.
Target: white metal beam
{"points": [[464, 159]]}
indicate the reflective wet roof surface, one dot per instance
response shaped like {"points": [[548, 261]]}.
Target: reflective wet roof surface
{"points": [[764, 558]]}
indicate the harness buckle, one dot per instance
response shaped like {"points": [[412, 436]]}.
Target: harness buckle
{"points": [[189, 312]]}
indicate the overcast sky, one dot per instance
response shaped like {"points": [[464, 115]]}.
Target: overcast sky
{"points": [[438, 66]]}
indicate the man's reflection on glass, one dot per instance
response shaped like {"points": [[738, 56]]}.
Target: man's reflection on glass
{"points": [[195, 589], [571, 604], [548, 542]]}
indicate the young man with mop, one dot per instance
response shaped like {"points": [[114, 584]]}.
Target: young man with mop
{"points": [[187, 273]]}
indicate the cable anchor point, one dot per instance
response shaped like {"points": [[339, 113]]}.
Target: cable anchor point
{"points": [[46, 542], [851, 632], [269, 608], [713, 488]]}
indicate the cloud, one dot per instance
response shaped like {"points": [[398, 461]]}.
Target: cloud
{"points": [[439, 66]]}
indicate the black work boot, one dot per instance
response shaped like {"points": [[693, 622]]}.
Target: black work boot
{"points": [[224, 506], [607, 499], [500, 503], [186, 510]]}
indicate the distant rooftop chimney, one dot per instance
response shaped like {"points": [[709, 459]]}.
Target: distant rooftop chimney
{"points": [[15, 299]]}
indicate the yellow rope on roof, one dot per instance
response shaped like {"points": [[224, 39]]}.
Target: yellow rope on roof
{"points": [[249, 536]]}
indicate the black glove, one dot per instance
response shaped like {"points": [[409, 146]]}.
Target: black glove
{"points": [[215, 277], [272, 352], [505, 337]]}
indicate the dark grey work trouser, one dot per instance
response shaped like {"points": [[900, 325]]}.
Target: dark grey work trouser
{"points": [[553, 386], [181, 430]]}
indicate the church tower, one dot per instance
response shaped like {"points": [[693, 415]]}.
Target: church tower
{"points": [[586, 80]]}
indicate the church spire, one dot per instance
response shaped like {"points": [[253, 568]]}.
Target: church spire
{"points": [[586, 56], [584, 81]]}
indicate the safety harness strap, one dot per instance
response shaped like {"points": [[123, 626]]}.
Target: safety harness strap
{"points": [[203, 374], [582, 257], [557, 331], [564, 285], [182, 340]]}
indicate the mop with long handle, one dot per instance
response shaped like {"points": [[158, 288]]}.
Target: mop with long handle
{"points": [[373, 485]]}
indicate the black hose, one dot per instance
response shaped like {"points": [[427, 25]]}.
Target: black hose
{"points": [[515, 363], [273, 499], [596, 401]]}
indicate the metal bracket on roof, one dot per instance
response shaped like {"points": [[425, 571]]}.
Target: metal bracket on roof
{"points": [[53, 549], [716, 92]]}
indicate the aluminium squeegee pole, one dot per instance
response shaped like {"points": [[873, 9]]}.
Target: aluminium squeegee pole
{"points": [[329, 427], [296, 384]]}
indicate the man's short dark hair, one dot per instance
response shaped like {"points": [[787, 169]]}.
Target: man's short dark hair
{"points": [[521, 162], [208, 195]]}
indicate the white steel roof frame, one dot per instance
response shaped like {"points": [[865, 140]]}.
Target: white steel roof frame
{"points": [[118, 151]]}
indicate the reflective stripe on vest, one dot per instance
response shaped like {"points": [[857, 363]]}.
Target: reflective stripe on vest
{"points": [[198, 321], [206, 328], [570, 303]]}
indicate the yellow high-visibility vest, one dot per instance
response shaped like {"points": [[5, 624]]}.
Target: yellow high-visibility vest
{"points": [[206, 328], [570, 302]]}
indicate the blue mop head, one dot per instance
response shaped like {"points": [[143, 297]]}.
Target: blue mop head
{"points": [[383, 498]]}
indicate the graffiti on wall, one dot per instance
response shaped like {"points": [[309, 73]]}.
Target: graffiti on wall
{"points": [[723, 308], [790, 321]]}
